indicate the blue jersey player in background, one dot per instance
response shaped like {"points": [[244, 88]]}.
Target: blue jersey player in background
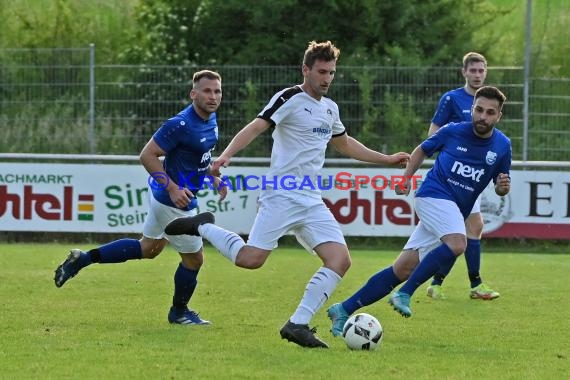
{"points": [[185, 141], [471, 154], [455, 106]]}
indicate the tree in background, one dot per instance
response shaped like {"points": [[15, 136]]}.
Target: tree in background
{"points": [[404, 32], [68, 24]]}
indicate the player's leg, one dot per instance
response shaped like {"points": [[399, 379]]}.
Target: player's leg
{"points": [[443, 220], [263, 237], [474, 229], [186, 280], [321, 233], [474, 225], [377, 287], [190, 250], [117, 251]]}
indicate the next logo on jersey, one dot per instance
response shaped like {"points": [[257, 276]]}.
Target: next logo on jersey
{"points": [[462, 148], [467, 171]]}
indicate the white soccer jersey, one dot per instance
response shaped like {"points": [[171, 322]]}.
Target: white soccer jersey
{"points": [[303, 128]]}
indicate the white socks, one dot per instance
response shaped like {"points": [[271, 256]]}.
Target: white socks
{"points": [[318, 290], [227, 242]]}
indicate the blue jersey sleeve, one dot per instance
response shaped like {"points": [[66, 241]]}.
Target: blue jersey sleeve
{"points": [[444, 111], [168, 135], [434, 143]]}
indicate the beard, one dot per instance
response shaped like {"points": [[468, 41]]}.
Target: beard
{"points": [[483, 128]]}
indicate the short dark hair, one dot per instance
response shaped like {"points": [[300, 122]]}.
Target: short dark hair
{"points": [[208, 74], [473, 57], [491, 92], [323, 51]]}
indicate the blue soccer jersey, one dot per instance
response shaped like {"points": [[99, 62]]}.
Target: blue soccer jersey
{"points": [[454, 107], [465, 165], [188, 141]]}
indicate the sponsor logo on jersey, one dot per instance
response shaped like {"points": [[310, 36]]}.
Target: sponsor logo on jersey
{"points": [[323, 130], [467, 171], [206, 157], [461, 148]]}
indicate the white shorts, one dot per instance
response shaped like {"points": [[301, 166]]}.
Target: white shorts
{"points": [[438, 217], [282, 212], [159, 216], [477, 206]]}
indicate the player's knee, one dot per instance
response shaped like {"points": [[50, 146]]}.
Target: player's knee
{"points": [[193, 261], [402, 272], [250, 263], [343, 265], [150, 248], [457, 246], [150, 252], [474, 225], [405, 264], [338, 263], [249, 260]]}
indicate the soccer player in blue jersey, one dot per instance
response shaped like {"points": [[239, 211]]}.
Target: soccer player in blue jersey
{"points": [[471, 154], [455, 106], [186, 142], [304, 121]]}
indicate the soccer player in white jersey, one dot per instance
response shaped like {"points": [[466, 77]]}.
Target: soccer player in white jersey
{"points": [[471, 155], [455, 106], [304, 122]]}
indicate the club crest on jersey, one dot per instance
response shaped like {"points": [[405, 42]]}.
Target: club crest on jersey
{"points": [[491, 158]]}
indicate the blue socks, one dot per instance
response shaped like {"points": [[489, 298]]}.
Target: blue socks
{"points": [[473, 260], [185, 281], [442, 256], [377, 287], [117, 251]]}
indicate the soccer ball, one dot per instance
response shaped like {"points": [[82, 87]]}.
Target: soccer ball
{"points": [[362, 332]]}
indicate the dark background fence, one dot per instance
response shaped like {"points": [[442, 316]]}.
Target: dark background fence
{"points": [[60, 101]]}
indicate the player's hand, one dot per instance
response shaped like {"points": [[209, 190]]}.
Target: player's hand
{"points": [[217, 164], [404, 187], [181, 197], [222, 190], [503, 184], [400, 158]]}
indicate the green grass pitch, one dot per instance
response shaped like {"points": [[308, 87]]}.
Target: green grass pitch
{"points": [[109, 322]]}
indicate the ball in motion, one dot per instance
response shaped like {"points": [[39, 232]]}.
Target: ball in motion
{"points": [[362, 332]]}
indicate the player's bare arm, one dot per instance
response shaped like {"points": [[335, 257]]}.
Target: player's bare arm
{"points": [[240, 141], [149, 158], [433, 128], [353, 148], [416, 159], [503, 185]]}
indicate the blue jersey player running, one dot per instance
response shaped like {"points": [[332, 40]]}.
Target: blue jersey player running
{"points": [[455, 106], [471, 154], [185, 141]]}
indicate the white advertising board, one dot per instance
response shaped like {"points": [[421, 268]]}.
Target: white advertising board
{"points": [[113, 198]]}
